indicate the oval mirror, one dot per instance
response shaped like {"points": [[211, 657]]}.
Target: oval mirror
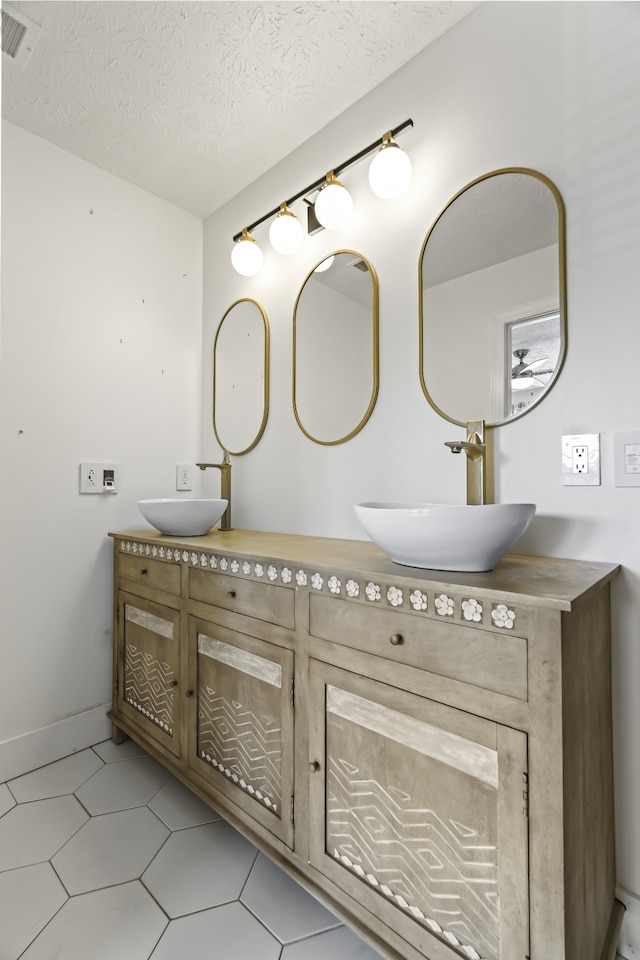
{"points": [[241, 377], [493, 298], [335, 348]]}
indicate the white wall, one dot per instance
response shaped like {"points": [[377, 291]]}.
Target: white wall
{"points": [[101, 350], [552, 86]]}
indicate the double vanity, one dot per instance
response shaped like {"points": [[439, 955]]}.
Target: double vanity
{"points": [[428, 753]]}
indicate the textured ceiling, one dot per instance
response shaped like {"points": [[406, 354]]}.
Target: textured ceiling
{"points": [[193, 101]]}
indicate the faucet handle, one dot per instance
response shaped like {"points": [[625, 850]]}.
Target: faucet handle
{"points": [[454, 445]]}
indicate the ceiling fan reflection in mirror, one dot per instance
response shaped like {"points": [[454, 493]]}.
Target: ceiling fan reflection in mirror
{"points": [[526, 376]]}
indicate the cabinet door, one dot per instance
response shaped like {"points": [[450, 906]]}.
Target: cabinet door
{"points": [[149, 668], [419, 812], [244, 731]]}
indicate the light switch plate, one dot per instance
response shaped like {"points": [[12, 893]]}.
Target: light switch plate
{"points": [[626, 459], [581, 460]]}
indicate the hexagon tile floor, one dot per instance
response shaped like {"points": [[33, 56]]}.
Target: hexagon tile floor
{"points": [[106, 856]]}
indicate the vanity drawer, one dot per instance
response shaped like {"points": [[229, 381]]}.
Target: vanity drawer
{"points": [[263, 601], [488, 660], [151, 573]]}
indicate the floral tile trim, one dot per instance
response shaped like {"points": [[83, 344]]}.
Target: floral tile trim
{"points": [[444, 605], [502, 616], [472, 610], [372, 591], [463, 608], [419, 600], [395, 596]]}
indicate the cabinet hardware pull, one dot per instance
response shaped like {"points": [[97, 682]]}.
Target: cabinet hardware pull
{"points": [[231, 594], [173, 683], [314, 766], [189, 693], [396, 639]]}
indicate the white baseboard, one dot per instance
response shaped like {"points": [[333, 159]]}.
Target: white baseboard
{"points": [[38, 747], [630, 934]]}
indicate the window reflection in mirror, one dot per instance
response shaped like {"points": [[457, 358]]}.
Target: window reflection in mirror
{"points": [[241, 377], [335, 348], [492, 282]]}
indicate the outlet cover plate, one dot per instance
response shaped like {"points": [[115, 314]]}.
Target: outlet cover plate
{"points": [[581, 460], [184, 476], [99, 477]]}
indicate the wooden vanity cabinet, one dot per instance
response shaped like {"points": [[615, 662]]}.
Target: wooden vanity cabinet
{"points": [[440, 775]]}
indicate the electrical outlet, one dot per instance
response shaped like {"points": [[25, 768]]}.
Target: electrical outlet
{"points": [[581, 460], [184, 476], [98, 478]]}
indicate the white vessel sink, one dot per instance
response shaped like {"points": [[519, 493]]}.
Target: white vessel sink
{"points": [[182, 518], [442, 537]]}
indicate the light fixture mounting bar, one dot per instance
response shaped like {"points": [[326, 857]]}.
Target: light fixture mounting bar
{"points": [[318, 183]]}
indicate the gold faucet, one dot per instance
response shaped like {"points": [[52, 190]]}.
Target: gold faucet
{"points": [[475, 447], [225, 486]]}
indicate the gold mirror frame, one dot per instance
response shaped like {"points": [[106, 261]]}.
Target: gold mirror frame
{"points": [[265, 411], [562, 295], [375, 350]]}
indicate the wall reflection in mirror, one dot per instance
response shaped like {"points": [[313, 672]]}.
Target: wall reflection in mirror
{"points": [[241, 377], [335, 348], [492, 298]]}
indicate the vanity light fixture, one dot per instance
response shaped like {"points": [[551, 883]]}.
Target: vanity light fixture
{"points": [[286, 233], [246, 255], [333, 205], [390, 169]]}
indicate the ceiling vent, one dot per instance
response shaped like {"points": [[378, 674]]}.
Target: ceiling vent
{"points": [[19, 36]]}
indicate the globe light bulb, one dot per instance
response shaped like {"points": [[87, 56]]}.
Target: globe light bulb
{"points": [[246, 256], [334, 206], [286, 233], [324, 265], [390, 170]]}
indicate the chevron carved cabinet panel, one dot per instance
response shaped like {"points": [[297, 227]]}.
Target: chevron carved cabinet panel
{"points": [[412, 808], [148, 685], [244, 730]]}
